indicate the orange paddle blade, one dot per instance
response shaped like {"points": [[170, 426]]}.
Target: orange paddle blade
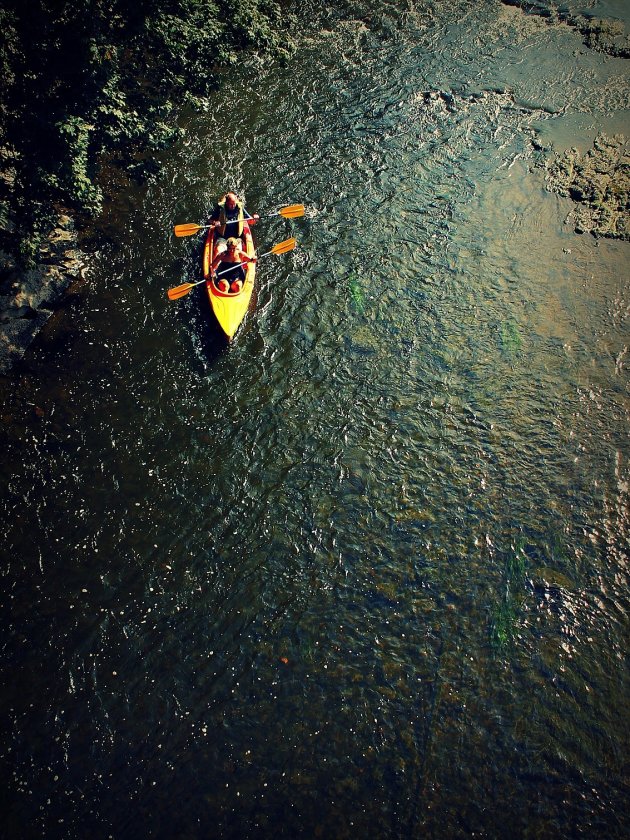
{"points": [[293, 211], [186, 230], [283, 247], [180, 291]]}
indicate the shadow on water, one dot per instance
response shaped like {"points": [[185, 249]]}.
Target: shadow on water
{"points": [[210, 341]]}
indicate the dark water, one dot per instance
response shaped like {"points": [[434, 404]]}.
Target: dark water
{"points": [[365, 572]]}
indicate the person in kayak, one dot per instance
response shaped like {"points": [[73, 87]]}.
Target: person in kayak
{"points": [[229, 261], [227, 219]]}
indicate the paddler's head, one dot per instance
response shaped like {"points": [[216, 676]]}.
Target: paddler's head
{"points": [[232, 244], [230, 200]]}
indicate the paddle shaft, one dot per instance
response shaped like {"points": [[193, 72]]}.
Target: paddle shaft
{"points": [[232, 222], [293, 211], [238, 265], [225, 271]]}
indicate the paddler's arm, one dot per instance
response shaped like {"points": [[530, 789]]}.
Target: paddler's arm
{"points": [[251, 219]]}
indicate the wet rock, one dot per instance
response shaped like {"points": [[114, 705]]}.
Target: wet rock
{"points": [[28, 297], [605, 36], [599, 183], [19, 312], [16, 334], [532, 7]]}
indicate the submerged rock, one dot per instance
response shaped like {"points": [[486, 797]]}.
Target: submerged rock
{"points": [[605, 36], [545, 578]]}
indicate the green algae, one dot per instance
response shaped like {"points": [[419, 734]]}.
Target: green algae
{"points": [[510, 339], [503, 620], [356, 294], [505, 615]]}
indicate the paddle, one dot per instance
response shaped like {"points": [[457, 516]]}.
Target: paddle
{"points": [[293, 211], [181, 291]]}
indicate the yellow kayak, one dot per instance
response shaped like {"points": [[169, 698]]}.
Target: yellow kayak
{"points": [[230, 307]]}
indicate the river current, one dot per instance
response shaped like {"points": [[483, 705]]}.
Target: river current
{"points": [[364, 572]]}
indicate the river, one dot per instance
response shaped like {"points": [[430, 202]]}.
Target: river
{"points": [[364, 572]]}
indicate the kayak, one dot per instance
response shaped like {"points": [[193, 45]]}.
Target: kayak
{"points": [[230, 307]]}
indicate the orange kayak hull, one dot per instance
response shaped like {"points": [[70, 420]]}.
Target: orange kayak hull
{"points": [[230, 308]]}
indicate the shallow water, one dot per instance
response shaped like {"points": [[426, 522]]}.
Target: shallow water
{"points": [[366, 569]]}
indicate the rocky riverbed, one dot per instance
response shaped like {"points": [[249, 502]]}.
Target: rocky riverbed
{"points": [[600, 34], [599, 184]]}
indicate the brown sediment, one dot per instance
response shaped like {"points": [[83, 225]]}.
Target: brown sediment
{"points": [[599, 183]]}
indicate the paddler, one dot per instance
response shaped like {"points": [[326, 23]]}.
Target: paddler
{"points": [[229, 261], [227, 219]]}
